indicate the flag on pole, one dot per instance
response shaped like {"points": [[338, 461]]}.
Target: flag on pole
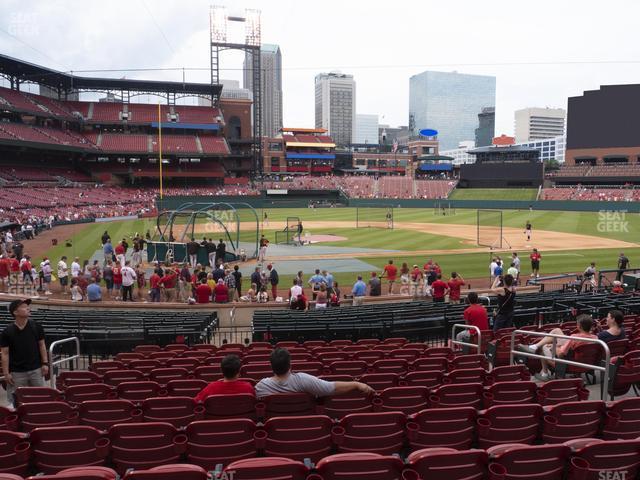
{"points": [[394, 149]]}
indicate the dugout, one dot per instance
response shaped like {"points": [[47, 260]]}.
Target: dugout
{"points": [[503, 167]]}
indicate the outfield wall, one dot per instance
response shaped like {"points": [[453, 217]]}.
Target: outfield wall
{"points": [[172, 203]]}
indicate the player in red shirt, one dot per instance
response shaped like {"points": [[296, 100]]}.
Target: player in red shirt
{"points": [[228, 385], [455, 285], [535, 262], [391, 272], [439, 289], [203, 292], [4, 273]]}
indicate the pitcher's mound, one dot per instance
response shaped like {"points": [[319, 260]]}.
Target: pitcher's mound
{"points": [[322, 238]]}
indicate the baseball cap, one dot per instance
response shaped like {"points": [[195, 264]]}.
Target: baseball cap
{"points": [[13, 306]]}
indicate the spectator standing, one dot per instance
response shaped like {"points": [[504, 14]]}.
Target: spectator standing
{"points": [[108, 252], [535, 263], [439, 289], [262, 253], [375, 285], [623, 263], [117, 280], [358, 291], [515, 259], [141, 280], [256, 278], [210, 248], [24, 354], [121, 252], [237, 275], [184, 282], [94, 292], [47, 271], [218, 272], [503, 317], [25, 268], [221, 292], [391, 274], [322, 298], [63, 274], [4, 272], [192, 251], [455, 285], [129, 277], [168, 282], [107, 274], [274, 279], [154, 284], [75, 268], [230, 282], [513, 271], [105, 238], [286, 381], [203, 292], [221, 252], [328, 280], [229, 384], [492, 270], [404, 279]]}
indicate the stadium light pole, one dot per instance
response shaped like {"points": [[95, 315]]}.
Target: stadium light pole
{"points": [[160, 146]]}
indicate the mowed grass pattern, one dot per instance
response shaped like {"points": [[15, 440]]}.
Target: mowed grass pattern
{"points": [[494, 194]]}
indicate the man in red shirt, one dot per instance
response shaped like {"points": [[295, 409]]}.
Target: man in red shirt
{"points": [[455, 284], [169, 283], [475, 314], [535, 262], [391, 272], [203, 292], [154, 283], [4, 273], [229, 385], [14, 270], [439, 289], [120, 253]]}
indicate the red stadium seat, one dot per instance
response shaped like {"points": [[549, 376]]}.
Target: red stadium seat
{"points": [[503, 424], [337, 406], [627, 373], [219, 407], [256, 358], [185, 388], [162, 356], [382, 432], [128, 357], [572, 420], [402, 399], [116, 376], [208, 373], [214, 442], [268, 468], [292, 344], [427, 378], [465, 375], [355, 368], [15, 452], [599, 459], [57, 448], [380, 381], [469, 361], [399, 341], [358, 466], [312, 368], [457, 395], [508, 373], [310, 344], [390, 365], [533, 462], [37, 394], [499, 350], [164, 375], [340, 343], [199, 355], [587, 353], [368, 356], [564, 390], [46, 414], [257, 371], [368, 341], [136, 392], [328, 358], [408, 354], [618, 348], [176, 347], [76, 394], [169, 472], [145, 445], [103, 366], [78, 473], [146, 349], [445, 352], [178, 411], [429, 363], [449, 464], [289, 404], [205, 347], [188, 363], [76, 377], [145, 365], [102, 414], [623, 419], [8, 419], [442, 427], [297, 438], [504, 393]]}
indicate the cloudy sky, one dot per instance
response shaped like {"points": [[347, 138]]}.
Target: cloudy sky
{"points": [[540, 51]]}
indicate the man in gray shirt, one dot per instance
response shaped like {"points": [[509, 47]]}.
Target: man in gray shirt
{"points": [[285, 381]]}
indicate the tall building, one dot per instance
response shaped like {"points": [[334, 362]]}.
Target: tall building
{"points": [[539, 123], [549, 148], [366, 129], [449, 103], [486, 127], [230, 89], [271, 92], [335, 105]]}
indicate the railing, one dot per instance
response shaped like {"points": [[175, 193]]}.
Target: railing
{"points": [[53, 363], [462, 326], [555, 337]]}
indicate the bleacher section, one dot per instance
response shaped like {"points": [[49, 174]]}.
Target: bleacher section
{"points": [[609, 170], [627, 194]]}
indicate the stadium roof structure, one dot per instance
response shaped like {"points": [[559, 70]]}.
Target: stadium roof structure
{"points": [[506, 149], [19, 71]]}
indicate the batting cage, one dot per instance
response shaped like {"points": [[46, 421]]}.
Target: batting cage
{"points": [[288, 235], [236, 224], [375, 215], [489, 225]]}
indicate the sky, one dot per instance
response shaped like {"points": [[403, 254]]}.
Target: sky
{"points": [[541, 52]]}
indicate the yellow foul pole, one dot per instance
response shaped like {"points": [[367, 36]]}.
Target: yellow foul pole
{"points": [[160, 146]]}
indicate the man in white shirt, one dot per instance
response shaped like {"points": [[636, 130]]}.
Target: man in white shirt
{"points": [[128, 278], [295, 290], [492, 268], [63, 274], [75, 268]]}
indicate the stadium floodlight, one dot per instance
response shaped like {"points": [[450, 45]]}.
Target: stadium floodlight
{"points": [[252, 27], [218, 23]]}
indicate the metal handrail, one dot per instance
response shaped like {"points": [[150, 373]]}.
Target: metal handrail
{"points": [[462, 326], [555, 337], [62, 360]]}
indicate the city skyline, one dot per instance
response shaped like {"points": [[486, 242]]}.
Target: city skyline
{"points": [[530, 69]]}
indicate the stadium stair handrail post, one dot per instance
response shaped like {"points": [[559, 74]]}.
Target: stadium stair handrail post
{"points": [[462, 326], [556, 337], [53, 363]]}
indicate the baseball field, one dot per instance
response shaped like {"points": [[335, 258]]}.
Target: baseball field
{"points": [[568, 241]]}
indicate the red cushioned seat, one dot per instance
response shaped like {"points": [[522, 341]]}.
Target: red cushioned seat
{"points": [[503, 424], [623, 419], [442, 427], [37, 394], [46, 414], [188, 387], [219, 407], [402, 399], [178, 411], [379, 432], [533, 462], [138, 391], [268, 468], [449, 464], [457, 395], [102, 414], [359, 466], [571, 420], [505, 393], [298, 437], [610, 459]]}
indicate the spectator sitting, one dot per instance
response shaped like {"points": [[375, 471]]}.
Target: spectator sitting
{"points": [[475, 314], [221, 292], [321, 299], [94, 292], [250, 296], [229, 385], [285, 381], [563, 346], [300, 303], [615, 327]]}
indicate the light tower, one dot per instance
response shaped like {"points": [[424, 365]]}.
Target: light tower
{"points": [[219, 20]]}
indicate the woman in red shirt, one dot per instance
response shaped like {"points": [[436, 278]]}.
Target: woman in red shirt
{"points": [[221, 292], [117, 279]]}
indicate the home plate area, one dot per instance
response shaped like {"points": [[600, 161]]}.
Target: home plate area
{"points": [[322, 238]]}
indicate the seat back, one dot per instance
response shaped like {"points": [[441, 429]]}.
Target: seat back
{"points": [[402, 399], [298, 437], [219, 407], [379, 432], [469, 361], [391, 365], [571, 420], [15, 451], [77, 473], [623, 420], [169, 472], [504, 393], [76, 394], [165, 375], [615, 456], [355, 368], [503, 424], [429, 363], [102, 414], [508, 373], [457, 395], [449, 464], [208, 373], [185, 387], [357, 466], [380, 381], [268, 468], [102, 366], [427, 378], [289, 404], [337, 406], [178, 411], [466, 375], [114, 377], [563, 390], [214, 442], [442, 427], [533, 462], [76, 377], [37, 394], [136, 392], [46, 414]]}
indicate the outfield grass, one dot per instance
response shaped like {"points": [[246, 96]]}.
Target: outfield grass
{"points": [[525, 194]]}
